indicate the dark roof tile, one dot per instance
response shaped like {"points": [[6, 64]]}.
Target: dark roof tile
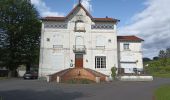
{"points": [[129, 38], [50, 18]]}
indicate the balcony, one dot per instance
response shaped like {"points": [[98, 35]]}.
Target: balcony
{"points": [[79, 49]]}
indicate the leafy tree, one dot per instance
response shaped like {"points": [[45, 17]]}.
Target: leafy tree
{"points": [[19, 35], [155, 58], [163, 57], [162, 54], [168, 52], [146, 59]]}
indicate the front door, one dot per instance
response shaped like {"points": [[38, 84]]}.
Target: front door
{"points": [[79, 60]]}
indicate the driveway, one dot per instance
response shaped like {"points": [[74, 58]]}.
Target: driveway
{"points": [[18, 89]]}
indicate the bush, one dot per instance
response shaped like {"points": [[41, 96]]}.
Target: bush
{"points": [[157, 68], [113, 70]]}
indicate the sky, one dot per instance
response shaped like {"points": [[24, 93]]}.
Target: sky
{"points": [[147, 19]]}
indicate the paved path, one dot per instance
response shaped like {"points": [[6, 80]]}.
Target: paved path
{"points": [[18, 89]]}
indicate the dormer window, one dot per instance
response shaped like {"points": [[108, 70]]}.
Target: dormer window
{"points": [[79, 26]]}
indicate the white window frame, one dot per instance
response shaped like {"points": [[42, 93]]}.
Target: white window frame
{"points": [[126, 46], [100, 61]]}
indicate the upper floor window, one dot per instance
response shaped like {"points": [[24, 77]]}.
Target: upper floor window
{"points": [[102, 26], [126, 46], [100, 42], [79, 26]]}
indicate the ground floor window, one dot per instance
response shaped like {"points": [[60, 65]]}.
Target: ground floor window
{"points": [[100, 62]]}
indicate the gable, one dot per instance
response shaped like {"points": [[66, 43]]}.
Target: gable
{"points": [[78, 14], [74, 11]]}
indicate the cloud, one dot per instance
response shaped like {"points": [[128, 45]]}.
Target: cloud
{"points": [[44, 9], [153, 25], [87, 4]]}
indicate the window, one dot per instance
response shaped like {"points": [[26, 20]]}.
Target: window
{"points": [[100, 62], [126, 46], [100, 42], [79, 26]]}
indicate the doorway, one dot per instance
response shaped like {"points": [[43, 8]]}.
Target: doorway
{"points": [[78, 60]]}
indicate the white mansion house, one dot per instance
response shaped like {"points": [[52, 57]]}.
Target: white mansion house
{"points": [[80, 41]]}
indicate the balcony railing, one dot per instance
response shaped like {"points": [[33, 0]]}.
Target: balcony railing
{"points": [[80, 29], [79, 49]]}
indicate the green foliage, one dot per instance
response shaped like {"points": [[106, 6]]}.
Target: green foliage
{"points": [[19, 33], [113, 70], [162, 93], [162, 75], [161, 66], [158, 67], [146, 59]]}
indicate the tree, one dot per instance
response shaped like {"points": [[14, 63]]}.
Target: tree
{"points": [[168, 52], [146, 59], [155, 58], [162, 54], [163, 57], [19, 35]]}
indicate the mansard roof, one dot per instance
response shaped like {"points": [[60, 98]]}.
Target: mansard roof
{"points": [[129, 38], [51, 18]]}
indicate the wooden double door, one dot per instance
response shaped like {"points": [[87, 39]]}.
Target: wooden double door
{"points": [[78, 60]]}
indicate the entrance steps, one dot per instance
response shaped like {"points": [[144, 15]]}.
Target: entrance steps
{"points": [[78, 73]]}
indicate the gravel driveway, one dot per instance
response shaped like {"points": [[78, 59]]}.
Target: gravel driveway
{"points": [[18, 89]]}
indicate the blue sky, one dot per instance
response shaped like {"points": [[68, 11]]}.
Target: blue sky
{"points": [[120, 9], [148, 19]]}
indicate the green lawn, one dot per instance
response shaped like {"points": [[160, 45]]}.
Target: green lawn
{"points": [[166, 75], [162, 93]]}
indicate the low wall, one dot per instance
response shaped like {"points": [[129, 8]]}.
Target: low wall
{"points": [[135, 78], [21, 73]]}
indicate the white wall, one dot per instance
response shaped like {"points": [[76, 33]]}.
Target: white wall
{"points": [[131, 58], [54, 60]]}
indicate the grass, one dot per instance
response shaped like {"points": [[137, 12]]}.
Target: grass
{"points": [[162, 93], [161, 75], [79, 81]]}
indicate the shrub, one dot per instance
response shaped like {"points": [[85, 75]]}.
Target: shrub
{"points": [[113, 70]]}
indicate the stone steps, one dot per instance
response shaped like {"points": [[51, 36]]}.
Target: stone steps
{"points": [[78, 73]]}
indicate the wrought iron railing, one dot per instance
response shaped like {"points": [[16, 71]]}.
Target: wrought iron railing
{"points": [[79, 48]]}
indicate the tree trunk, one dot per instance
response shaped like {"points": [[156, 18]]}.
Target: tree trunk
{"points": [[28, 67], [12, 73]]}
